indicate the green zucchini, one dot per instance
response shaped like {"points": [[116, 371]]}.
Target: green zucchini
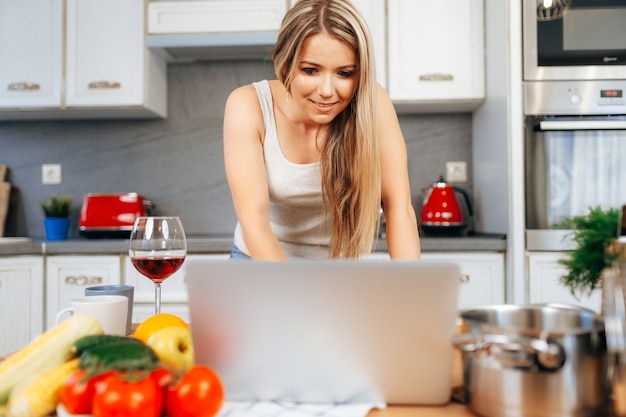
{"points": [[129, 358], [91, 341]]}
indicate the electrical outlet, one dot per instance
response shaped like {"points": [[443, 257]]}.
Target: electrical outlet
{"points": [[456, 171], [51, 174]]}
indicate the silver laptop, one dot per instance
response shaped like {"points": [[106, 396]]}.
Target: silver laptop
{"points": [[326, 331]]}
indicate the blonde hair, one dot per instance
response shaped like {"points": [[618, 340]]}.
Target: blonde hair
{"points": [[350, 162]]}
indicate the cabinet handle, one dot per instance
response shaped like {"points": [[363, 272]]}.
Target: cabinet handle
{"points": [[465, 278], [23, 86], [83, 280], [437, 77], [103, 84]]}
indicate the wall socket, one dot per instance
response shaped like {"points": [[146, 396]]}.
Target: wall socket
{"points": [[456, 171], [51, 174]]}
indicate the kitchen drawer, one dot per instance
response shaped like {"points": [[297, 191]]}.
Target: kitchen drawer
{"points": [[68, 276]]}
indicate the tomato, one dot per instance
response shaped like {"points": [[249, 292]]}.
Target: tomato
{"points": [[77, 392], [116, 397], [199, 393]]}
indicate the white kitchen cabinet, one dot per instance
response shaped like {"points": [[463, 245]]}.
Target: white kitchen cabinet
{"points": [[374, 13], [482, 276], [21, 301], [436, 54], [544, 274], [87, 60], [214, 29], [215, 16], [68, 276], [31, 47], [173, 290]]}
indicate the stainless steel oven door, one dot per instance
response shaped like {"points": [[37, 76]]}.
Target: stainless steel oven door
{"points": [[587, 42], [571, 164]]}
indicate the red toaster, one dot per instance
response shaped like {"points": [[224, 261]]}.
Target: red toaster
{"points": [[111, 215]]}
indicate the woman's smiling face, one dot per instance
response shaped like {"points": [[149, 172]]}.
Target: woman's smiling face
{"points": [[326, 78]]}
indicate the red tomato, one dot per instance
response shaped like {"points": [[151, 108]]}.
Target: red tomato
{"points": [[118, 398], [199, 393], [77, 392]]}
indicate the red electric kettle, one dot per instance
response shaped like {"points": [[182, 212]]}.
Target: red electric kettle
{"points": [[442, 213]]}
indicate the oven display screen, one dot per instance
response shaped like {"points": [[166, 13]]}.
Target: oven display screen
{"points": [[611, 93]]}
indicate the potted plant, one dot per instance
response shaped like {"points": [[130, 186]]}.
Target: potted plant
{"points": [[594, 234], [57, 212]]}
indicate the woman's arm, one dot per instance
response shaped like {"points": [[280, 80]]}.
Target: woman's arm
{"points": [[402, 234], [245, 171]]}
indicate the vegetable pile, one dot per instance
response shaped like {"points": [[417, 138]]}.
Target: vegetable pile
{"points": [[88, 372]]}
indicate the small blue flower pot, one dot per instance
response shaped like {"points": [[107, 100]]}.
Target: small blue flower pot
{"points": [[57, 228]]}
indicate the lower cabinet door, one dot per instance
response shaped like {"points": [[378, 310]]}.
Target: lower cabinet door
{"points": [[544, 282], [21, 301], [482, 276]]}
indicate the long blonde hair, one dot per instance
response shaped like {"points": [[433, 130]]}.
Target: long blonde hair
{"points": [[350, 162]]}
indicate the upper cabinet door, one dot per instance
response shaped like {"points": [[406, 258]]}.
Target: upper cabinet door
{"points": [[436, 51], [31, 51], [373, 12], [105, 52]]}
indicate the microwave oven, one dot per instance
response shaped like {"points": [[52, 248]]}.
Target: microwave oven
{"points": [[574, 40]]}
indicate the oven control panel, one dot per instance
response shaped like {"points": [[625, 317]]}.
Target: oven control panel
{"points": [[606, 97]]}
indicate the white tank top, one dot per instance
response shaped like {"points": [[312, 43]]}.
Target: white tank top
{"points": [[295, 192]]}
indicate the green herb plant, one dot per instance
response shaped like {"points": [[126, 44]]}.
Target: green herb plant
{"points": [[57, 207], [592, 233]]}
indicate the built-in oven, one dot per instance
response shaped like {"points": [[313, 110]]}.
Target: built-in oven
{"points": [[574, 39], [575, 113], [575, 155]]}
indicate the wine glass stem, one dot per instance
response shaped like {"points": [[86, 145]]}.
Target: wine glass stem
{"points": [[157, 298]]}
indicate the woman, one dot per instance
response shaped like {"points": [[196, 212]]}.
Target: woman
{"points": [[310, 157]]}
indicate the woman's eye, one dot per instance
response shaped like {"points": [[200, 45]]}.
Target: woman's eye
{"points": [[346, 74], [309, 70]]}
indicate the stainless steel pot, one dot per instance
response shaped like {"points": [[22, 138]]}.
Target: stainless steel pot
{"points": [[534, 361]]}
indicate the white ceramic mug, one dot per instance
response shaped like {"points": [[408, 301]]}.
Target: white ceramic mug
{"points": [[110, 310], [125, 290]]}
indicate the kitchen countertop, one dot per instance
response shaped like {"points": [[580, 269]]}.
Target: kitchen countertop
{"points": [[222, 244], [450, 410]]}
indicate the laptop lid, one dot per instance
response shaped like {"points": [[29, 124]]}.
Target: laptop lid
{"points": [[326, 331]]}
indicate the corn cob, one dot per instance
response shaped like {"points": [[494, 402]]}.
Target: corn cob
{"points": [[39, 396], [45, 352]]}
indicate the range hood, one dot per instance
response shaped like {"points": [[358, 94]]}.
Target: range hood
{"points": [[213, 46]]}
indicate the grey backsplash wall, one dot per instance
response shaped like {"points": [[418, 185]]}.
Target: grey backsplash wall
{"points": [[178, 162]]}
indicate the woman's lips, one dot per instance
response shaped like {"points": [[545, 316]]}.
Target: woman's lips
{"points": [[323, 107]]}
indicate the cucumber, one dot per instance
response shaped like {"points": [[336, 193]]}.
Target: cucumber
{"points": [[134, 360], [91, 341]]}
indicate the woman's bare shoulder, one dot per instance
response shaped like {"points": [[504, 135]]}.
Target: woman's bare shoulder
{"points": [[246, 94], [243, 104]]}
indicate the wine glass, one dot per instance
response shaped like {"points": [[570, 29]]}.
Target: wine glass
{"points": [[157, 249]]}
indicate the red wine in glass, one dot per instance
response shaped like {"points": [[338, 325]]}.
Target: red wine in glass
{"points": [[157, 249], [158, 269]]}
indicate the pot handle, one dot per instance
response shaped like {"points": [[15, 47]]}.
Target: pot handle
{"points": [[549, 355]]}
